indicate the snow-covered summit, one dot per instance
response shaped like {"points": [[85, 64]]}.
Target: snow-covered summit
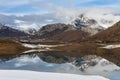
{"points": [[83, 21], [87, 24]]}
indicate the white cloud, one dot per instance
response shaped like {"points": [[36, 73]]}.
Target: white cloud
{"points": [[57, 13], [104, 16], [64, 15]]}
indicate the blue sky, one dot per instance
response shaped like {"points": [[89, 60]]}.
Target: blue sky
{"points": [[43, 6]]}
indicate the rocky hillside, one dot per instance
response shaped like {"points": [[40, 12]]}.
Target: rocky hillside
{"points": [[50, 30], [6, 31], [61, 32], [109, 35]]}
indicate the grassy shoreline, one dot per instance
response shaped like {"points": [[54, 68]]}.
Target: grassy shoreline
{"points": [[10, 47]]}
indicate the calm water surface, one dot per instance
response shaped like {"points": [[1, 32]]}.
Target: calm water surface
{"points": [[52, 62]]}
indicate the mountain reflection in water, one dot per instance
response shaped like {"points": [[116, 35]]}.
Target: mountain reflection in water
{"points": [[52, 62]]}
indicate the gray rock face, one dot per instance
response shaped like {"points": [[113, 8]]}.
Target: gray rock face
{"points": [[52, 27]]}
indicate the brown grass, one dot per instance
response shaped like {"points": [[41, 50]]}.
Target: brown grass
{"points": [[8, 46]]}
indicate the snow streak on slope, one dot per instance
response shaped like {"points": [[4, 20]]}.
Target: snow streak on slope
{"points": [[111, 46]]}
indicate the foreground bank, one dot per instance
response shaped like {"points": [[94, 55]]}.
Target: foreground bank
{"points": [[31, 75]]}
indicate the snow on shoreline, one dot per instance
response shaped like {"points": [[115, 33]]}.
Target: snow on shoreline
{"points": [[41, 46], [111, 46], [37, 50], [32, 75]]}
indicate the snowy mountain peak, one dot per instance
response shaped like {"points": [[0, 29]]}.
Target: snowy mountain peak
{"points": [[83, 18], [83, 21], [87, 24], [27, 27]]}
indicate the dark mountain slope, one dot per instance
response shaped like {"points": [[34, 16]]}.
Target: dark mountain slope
{"points": [[6, 31]]}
